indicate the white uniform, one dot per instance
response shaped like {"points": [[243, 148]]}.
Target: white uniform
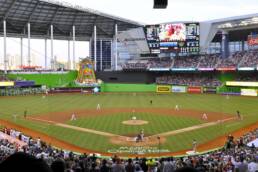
{"points": [[38, 143], [98, 106], [194, 145], [204, 116], [73, 117], [176, 107]]}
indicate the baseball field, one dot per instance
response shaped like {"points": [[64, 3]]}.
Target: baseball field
{"points": [[121, 117]]}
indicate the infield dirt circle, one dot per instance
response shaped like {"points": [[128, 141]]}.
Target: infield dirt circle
{"points": [[135, 122], [130, 141]]}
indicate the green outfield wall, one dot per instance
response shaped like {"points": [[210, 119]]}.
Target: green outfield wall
{"points": [[225, 89], [223, 77], [128, 87], [50, 80]]}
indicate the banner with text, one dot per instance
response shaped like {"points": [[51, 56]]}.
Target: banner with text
{"points": [[163, 89], [179, 89], [6, 83], [194, 90], [209, 90], [248, 92]]}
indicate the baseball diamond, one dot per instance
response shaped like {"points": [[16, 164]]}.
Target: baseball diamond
{"points": [[51, 116]]}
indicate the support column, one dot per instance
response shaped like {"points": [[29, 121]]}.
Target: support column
{"points": [[243, 45], [45, 53], [29, 57], [5, 56], [111, 54], [21, 64], [74, 48], [52, 45], [224, 43], [116, 47], [95, 47], [90, 52], [101, 55], [69, 56]]}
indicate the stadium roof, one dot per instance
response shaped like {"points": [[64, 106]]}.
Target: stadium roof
{"points": [[42, 13]]}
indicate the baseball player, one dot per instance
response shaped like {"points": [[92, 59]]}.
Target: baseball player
{"points": [[177, 108], [204, 116], [73, 117], [98, 106]]}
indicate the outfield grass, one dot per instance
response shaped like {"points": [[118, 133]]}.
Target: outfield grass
{"points": [[112, 123]]}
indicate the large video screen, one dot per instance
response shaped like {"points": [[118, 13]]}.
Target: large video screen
{"points": [[180, 38], [172, 32]]}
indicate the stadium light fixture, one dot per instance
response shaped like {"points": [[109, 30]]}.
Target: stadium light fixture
{"points": [[243, 23], [160, 4], [225, 25], [255, 19]]}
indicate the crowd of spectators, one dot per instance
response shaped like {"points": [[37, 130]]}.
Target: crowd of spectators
{"points": [[189, 80], [250, 59], [3, 77], [209, 61], [136, 65], [160, 63], [235, 156], [238, 59], [231, 61], [247, 77], [186, 62]]}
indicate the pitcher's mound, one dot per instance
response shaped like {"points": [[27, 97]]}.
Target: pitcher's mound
{"points": [[135, 122]]}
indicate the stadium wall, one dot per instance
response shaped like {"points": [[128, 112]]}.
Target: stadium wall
{"points": [[50, 80], [111, 87], [142, 77]]}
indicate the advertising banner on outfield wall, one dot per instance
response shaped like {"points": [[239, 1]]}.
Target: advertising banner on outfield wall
{"points": [[179, 89], [248, 92], [24, 83], [6, 84], [209, 90], [163, 89], [194, 90], [242, 83]]}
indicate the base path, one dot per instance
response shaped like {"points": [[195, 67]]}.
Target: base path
{"points": [[195, 127], [87, 130]]}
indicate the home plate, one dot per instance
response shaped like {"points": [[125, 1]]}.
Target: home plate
{"points": [[131, 139], [192, 153]]}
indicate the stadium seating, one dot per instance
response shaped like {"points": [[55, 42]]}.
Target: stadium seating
{"points": [[186, 62], [237, 59], [189, 80], [209, 61]]}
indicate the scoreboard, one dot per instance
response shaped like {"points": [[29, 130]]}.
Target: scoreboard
{"points": [[182, 38], [152, 36]]}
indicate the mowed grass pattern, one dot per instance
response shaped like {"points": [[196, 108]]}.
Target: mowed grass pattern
{"points": [[38, 105], [158, 123]]}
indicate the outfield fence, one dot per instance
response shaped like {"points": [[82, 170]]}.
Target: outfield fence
{"points": [[154, 88]]}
